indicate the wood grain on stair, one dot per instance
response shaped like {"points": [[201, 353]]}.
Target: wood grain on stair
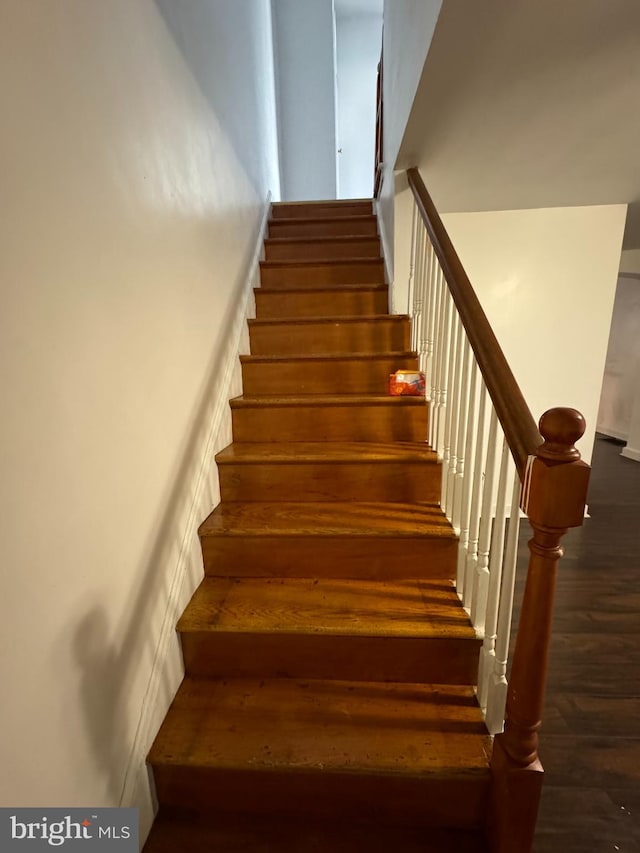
{"points": [[323, 374], [324, 606], [323, 336], [347, 540], [336, 301], [329, 661], [329, 418], [356, 749], [411, 631], [361, 520], [306, 248], [285, 274], [317, 209], [340, 226], [329, 471]]}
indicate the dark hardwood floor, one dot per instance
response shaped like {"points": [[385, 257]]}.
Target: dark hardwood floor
{"points": [[590, 742]]}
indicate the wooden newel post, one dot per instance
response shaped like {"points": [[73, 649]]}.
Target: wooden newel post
{"points": [[553, 497]]}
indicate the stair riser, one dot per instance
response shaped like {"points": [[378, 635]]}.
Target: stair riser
{"points": [[400, 659], [311, 275], [392, 422], [326, 338], [363, 248], [339, 376], [344, 557], [343, 481], [320, 303], [330, 228], [417, 801], [173, 833], [313, 210]]}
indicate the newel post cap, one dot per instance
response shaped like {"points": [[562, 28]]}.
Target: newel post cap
{"points": [[557, 490], [561, 428]]}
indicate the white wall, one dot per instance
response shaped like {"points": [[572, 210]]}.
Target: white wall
{"points": [[304, 52], [359, 42], [408, 29], [135, 174], [546, 280], [622, 367]]}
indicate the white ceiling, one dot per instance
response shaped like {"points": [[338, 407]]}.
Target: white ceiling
{"points": [[531, 103], [345, 8]]}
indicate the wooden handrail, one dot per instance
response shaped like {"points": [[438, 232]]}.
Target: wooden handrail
{"points": [[518, 424], [377, 167]]}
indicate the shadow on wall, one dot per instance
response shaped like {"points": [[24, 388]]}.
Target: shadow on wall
{"points": [[233, 83], [131, 671]]}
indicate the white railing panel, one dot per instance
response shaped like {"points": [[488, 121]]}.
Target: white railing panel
{"points": [[464, 431]]}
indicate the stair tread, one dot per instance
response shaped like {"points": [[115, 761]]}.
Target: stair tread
{"points": [[356, 318], [344, 519], [328, 451], [333, 356], [327, 727], [326, 400], [405, 608], [174, 832]]}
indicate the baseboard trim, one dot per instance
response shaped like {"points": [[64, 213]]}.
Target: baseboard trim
{"points": [[612, 433], [137, 788], [630, 453]]}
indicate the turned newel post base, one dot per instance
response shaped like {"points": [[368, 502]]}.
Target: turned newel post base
{"points": [[553, 497], [515, 799]]}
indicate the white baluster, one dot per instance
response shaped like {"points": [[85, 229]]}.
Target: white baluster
{"points": [[453, 415], [487, 652], [426, 303], [412, 258], [463, 426], [481, 582], [474, 501], [497, 693], [465, 504], [435, 370], [434, 273], [417, 295], [445, 345], [450, 392]]}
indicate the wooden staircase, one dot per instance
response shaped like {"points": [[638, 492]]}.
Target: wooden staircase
{"points": [[328, 702]]}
